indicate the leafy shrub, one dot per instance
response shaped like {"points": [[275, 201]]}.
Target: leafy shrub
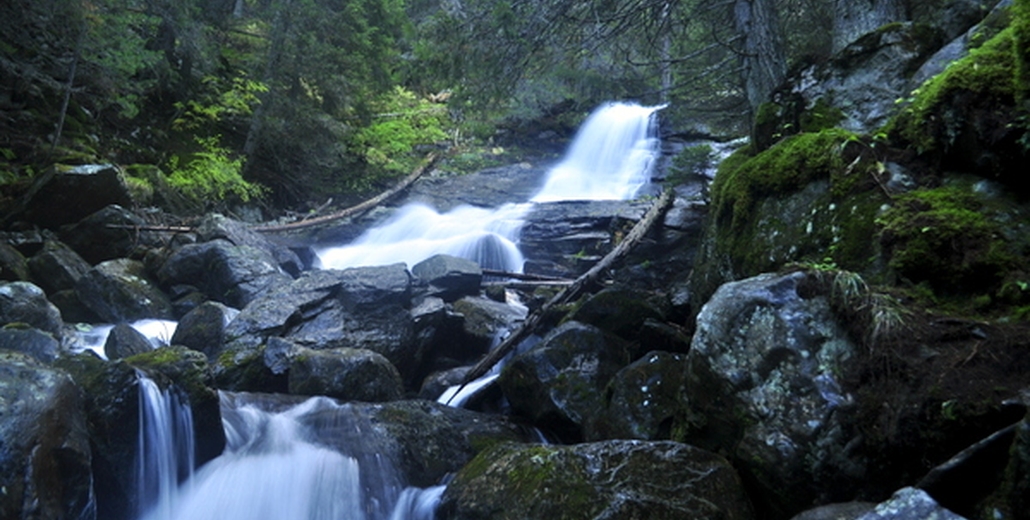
{"points": [[211, 175], [402, 122]]}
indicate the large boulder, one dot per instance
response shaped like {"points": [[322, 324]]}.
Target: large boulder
{"points": [[611, 479], [764, 375], [13, 265], [57, 267], [203, 328], [27, 340], [26, 303], [645, 398], [621, 310], [109, 233], [240, 234], [71, 195], [124, 341], [449, 277], [120, 291], [45, 456], [559, 384], [485, 324], [347, 374], [365, 308], [231, 274]]}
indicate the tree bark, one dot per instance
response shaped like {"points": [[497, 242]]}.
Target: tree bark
{"points": [[854, 18], [764, 58]]}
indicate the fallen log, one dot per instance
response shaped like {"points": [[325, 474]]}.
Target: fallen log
{"points": [[427, 163], [572, 292], [529, 277]]}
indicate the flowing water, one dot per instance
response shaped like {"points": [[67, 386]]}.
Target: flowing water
{"points": [[611, 158], [319, 460]]}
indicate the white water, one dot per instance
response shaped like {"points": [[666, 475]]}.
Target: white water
{"points": [[93, 337], [275, 466], [611, 157], [164, 455]]}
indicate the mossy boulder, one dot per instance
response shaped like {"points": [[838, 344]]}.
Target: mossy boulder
{"points": [[611, 479], [347, 374], [645, 398], [121, 291], [620, 310]]}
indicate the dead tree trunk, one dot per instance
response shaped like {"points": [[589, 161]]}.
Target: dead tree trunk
{"points": [[574, 291]]}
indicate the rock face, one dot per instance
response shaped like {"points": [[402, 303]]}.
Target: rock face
{"points": [[76, 193], [45, 456], [26, 303], [57, 267], [227, 273], [763, 372], [612, 479], [449, 277], [121, 291]]}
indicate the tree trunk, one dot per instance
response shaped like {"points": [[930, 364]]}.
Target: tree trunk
{"points": [[854, 18], [763, 56]]}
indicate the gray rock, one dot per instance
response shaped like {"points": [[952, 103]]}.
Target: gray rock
{"points": [[24, 302], [72, 195], [57, 267], [603, 480], [909, 504], [109, 233], [119, 291], [449, 277], [45, 461], [485, 323], [559, 384], [13, 266], [125, 341], [240, 234], [344, 373], [203, 328], [644, 398], [839, 511], [763, 371], [34, 342], [620, 310], [231, 274]]}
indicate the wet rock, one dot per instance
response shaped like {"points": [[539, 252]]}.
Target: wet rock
{"points": [[45, 460], [72, 195], [644, 398], [841, 511], [245, 368], [120, 291], [434, 385], [125, 341], [449, 277], [240, 234], [13, 266], [203, 328], [24, 302], [763, 373], [559, 384], [439, 335], [620, 310], [485, 324], [57, 267], [909, 504], [71, 307], [231, 274], [33, 342], [344, 373], [109, 233], [612, 479]]}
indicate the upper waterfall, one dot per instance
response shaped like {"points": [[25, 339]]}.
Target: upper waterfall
{"points": [[610, 158]]}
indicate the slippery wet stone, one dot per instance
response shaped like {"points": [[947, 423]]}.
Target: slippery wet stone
{"points": [[23, 302], [120, 291]]}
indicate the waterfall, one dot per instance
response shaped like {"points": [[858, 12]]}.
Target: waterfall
{"points": [[316, 460], [611, 157], [416, 232], [164, 455]]}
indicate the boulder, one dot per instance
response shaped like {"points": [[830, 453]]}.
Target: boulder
{"points": [[240, 234], [240, 367], [203, 328], [33, 342], [124, 341], [644, 398], [611, 479], [909, 504], [449, 277], [109, 233], [57, 267], [13, 266], [231, 274], [24, 302], [45, 456], [620, 310], [120, 291], [559, 384], [763, 373], [486, 322], [71, 195], [346, 374]]}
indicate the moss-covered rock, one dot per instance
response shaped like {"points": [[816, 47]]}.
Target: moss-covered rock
{"points": [[612, 479]]}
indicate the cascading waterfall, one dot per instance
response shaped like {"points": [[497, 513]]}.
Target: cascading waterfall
{"points": [[611, 158], [316, 460], [165, 448]]}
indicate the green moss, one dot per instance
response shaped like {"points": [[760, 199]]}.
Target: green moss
{"points": [[821, 116], [1021, 49], [987, 75], [943, 237]]}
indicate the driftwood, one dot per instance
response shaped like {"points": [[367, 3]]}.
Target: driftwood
{"points": [[572, 292], [353, 210]]}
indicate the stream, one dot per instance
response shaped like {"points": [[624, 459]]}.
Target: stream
{"points": [[278, 462]]}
